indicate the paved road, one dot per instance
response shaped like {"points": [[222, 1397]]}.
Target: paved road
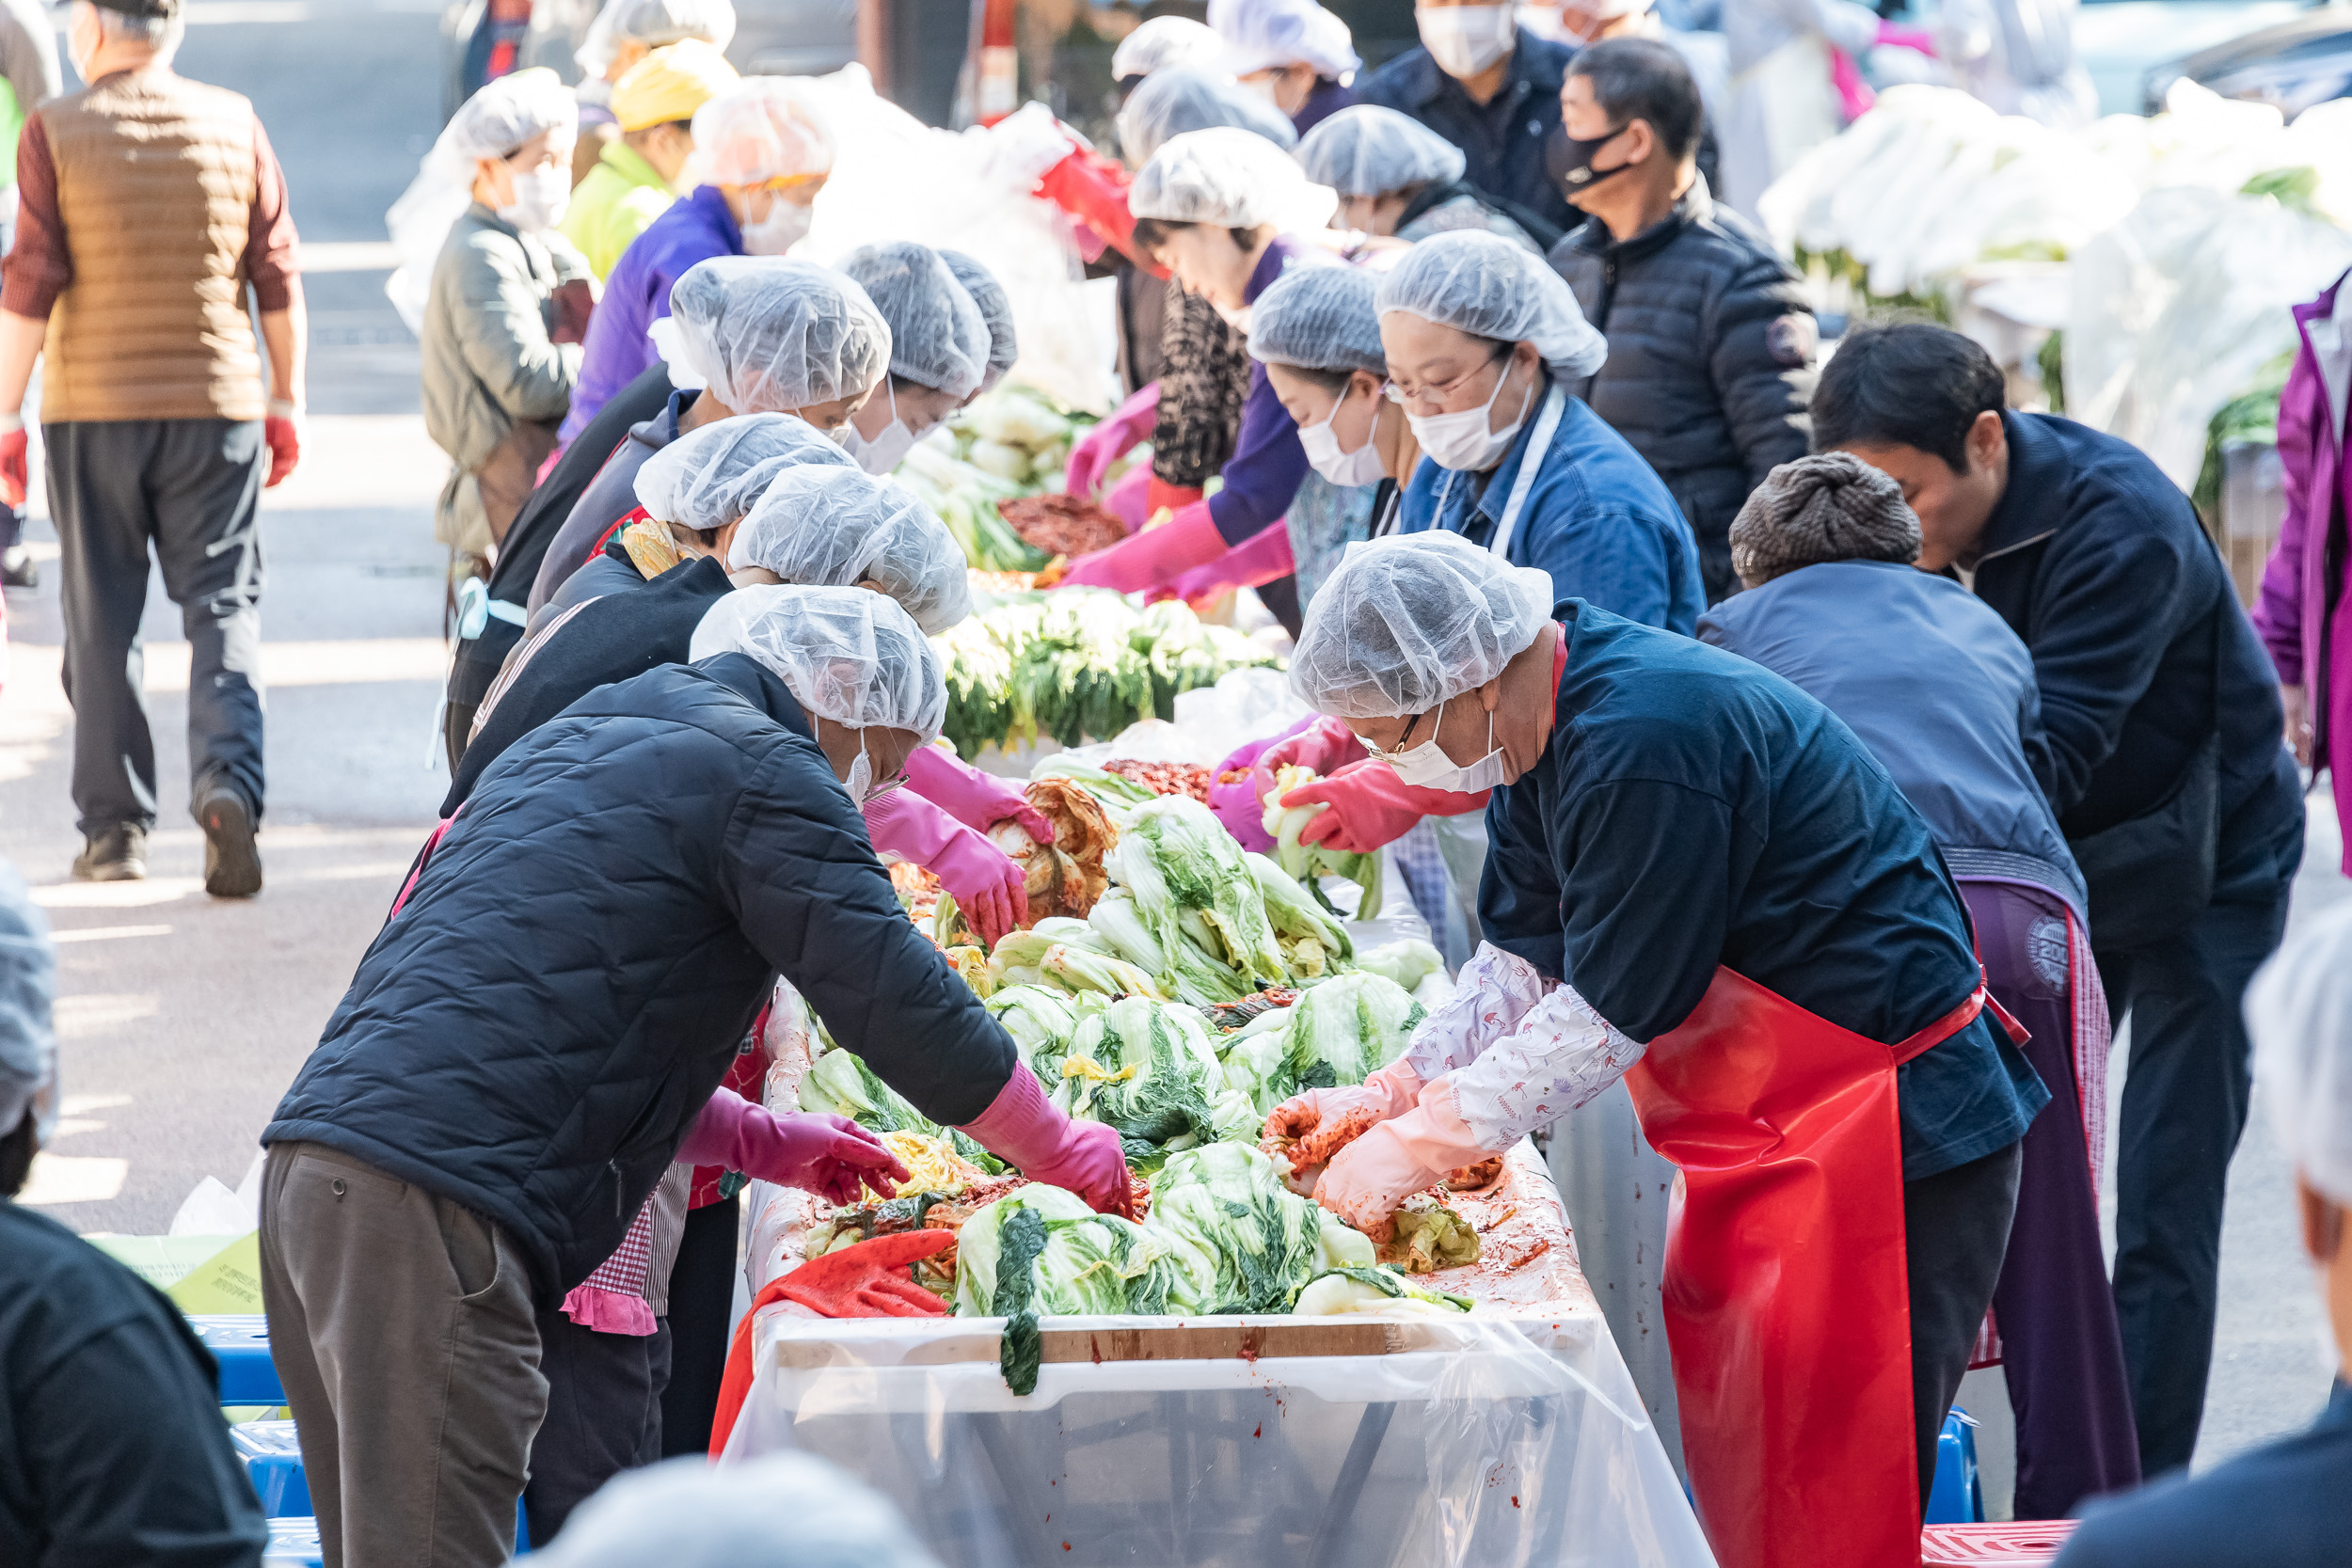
{"points": [[181, 1019]]}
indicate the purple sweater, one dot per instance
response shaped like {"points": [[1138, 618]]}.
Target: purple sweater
{"points": [[1268, 465], [637, 294]]}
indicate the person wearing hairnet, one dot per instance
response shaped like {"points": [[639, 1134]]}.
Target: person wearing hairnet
{"points": [[688, 1514], [536, 1033], [1219, 209], [939, 349], [748, 335], [2280, 1505], [622, 34], [1300, 57], [636, 175], [1702, 884], [1004, 343], [762, 151], [112, 1449], [1396, 176], [1162, 41]]}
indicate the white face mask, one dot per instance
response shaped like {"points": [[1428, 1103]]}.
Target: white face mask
{"points": [[541, 198], [786, 226], [1347, 469], [1427, 767], [1463, 441], [878, 455], [1237, 320], [1465, 40]]}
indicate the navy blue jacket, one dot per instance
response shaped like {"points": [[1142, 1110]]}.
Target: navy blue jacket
{"points": [[2098, 562], [2281, 1506], [1695, 810], [533, 1033], [1597, 518], [1939, 689], [1503, 140]]}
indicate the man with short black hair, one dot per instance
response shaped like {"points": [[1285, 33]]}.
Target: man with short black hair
{"points": [[1711, 339], [2164, 762]]}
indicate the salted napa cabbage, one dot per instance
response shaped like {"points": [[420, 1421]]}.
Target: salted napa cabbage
{"points": [[839, 1081], [1145, 1069], [1040, 1251], [1264, 1240], [1256, 1066], [1190, 881], [1036, 958], [1347, 1028], [1310, 862], [1040, 1021], [1371, 1289], [1407, 962], [1313, 943]]}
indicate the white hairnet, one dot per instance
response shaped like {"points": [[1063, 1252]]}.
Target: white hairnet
{"points": [[1409, 620], [763, 128], [2299, 1012], [1230, 178], [1368, 150], [1319, 319], [937, 334], [653, 22], [769, 334], [1003, 345], [850, 655], [1183, 99], [1164, 41], [505, 114], [836, 527], [711, 477], [28, 980], [782, 1511], [1263, 33], [1486, 285]]}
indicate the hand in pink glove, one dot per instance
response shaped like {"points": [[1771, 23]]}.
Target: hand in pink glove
{"points": [[831, 1156], [1370, 806], [1021, 1128], [992, 891], [974, 799], [1153, 558], [1322, 1119], [1110, 440], [1240, 805], [1263, 556], [1322, 743], [1366, 1180], [1129, 498]]}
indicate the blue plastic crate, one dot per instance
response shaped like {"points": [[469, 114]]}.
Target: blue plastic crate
{"points": [[294, 1544], [239, 1343], [1957, 1498], [273, 1461]]}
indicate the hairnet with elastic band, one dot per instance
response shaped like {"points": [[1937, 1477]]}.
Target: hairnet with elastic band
{"points": [[779, 1511], [1263, 33], [1163, 42], [29, 984], [1368, 151], [1409, 620], [769, 334], [938, 337], [1486, 285], [714, 476], [836, 527], [1004, 343], [670, 85], [1184, 98], [763, 128], [850, 655], [1319, 319], [655, 22], [2299, 1012], [505, 114], [1228, 177]]}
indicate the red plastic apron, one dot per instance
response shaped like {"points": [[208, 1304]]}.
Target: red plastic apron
{"points": [[1786, 1300]]}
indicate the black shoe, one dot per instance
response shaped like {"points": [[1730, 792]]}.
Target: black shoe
{"points": [[233, 867], [18, 569], [116, 854]]}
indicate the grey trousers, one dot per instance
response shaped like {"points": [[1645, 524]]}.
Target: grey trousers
{"points": [[189, 487], [401, 1327]]}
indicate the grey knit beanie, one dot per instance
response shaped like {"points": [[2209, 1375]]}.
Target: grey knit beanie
{"points": [[1831, 506]]}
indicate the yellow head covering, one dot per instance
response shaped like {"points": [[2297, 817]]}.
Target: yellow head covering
{"points": [[670, 83]]}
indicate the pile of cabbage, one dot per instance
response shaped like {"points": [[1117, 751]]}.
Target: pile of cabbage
{"points": [[1011, 442]]}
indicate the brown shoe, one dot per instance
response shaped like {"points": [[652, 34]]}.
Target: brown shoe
{"points": [[116, 854], [233, 867]]}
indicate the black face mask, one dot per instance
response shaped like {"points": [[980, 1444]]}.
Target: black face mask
{"points": [[1569, 162]]}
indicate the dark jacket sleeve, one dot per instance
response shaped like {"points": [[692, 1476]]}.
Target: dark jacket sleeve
{"points": [[1763, 366], [816, 904], [1518, 896]]}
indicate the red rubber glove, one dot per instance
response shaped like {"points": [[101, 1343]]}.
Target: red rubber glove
{"points": [[1021, 1128], [12, 465], [1263, 556], [1093, 189], [282, 433], [1153, 559], [831, 1156], [1110, 440], [1241, 805], [1371, 806], [974, 799], [1366, 1180], [992, 893], [1323, 743]]}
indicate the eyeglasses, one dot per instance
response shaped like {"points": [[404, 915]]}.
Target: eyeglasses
{"points": [[1397, 392], [1390, 754]]}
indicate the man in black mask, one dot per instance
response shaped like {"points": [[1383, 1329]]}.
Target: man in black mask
{"points": [[1712, 345]]}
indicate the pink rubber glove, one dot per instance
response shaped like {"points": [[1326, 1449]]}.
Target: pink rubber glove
{"points": [[1021, 1128], [1152, 558], [1900, 37], [1371, 806], [1854, 96], [992, 891], [1110, 440], [1366, 1180], [1388, 1093], [828, 1155], [1129, 500], [1241, 805], [1263, 556], [974, 799]]}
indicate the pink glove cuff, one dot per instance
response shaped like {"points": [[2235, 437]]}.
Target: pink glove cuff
{"points": [[978, 801], [1020, 1125], [1152, 557], [1400, 1086], [1263, 556], [902, 823], [716, 1138], [1130, 498], [1435, 1133]]}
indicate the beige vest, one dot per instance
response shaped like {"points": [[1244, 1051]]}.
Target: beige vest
{"points": [[156, 183]]}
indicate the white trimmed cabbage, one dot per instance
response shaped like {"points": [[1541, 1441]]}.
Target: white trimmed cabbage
{"points": [[1040, 1021], [1067, 960], [1264, 1240], [1041, 1251], [1192, 887], [1409, 961], [1347, 1028], [1312, 943], [1146, 1069], [839, 1081], [1371, 1288]]}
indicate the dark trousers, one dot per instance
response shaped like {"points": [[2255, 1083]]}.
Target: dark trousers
{"points": [[189, 488], [604, 1414], [701, 1299], [2183, 1106], [1955, 1229], [2061, 1353]]}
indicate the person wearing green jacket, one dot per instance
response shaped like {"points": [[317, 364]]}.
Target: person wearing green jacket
{"points": [[636, 175]]}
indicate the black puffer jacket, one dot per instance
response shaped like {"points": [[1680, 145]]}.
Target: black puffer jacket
{"points": [[535, 1031], [1710, 359]]}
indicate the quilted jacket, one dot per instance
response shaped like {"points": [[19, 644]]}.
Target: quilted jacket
{"points": [[535, 1031]]}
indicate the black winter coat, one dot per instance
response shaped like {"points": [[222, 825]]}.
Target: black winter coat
{"points": [[1710, 359], [533, 1033]]}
